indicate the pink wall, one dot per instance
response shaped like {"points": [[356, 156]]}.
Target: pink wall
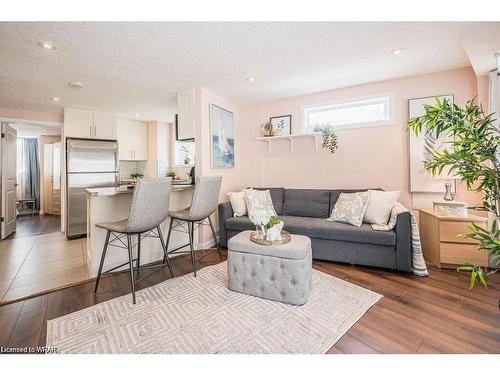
{"points": [[30, 115], [367, 157], [230, 176]]}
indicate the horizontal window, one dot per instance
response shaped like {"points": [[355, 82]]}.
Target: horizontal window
{"points": [[184, 153], [347, 115]]}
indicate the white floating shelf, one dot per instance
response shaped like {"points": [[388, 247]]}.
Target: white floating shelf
{"points": [[291, 138]]}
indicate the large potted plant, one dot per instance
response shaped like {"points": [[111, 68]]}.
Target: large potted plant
{"points": [[474, 158]]}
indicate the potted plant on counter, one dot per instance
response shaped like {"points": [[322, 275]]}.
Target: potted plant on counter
{"points": [[135, 176]]}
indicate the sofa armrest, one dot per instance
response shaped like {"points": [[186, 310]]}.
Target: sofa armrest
{"points": [[403, 242], [225, 212]]}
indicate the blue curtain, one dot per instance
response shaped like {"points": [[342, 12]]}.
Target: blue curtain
{"points": [[32, 170]]}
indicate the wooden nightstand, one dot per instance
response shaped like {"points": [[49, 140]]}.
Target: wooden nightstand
{"points": [[443, 244]]}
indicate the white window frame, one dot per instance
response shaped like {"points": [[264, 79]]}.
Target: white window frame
{"points": [[387, 98], [175, 155]]}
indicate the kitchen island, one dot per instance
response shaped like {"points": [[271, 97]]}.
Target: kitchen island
{"points": [[113, 204]]}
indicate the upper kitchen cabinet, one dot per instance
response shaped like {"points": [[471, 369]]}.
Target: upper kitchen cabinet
{"points": [[82, 123], [185, 115], [132, 139]]}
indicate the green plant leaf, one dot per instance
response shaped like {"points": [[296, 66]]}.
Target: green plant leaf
{"points": [[473, 276]]}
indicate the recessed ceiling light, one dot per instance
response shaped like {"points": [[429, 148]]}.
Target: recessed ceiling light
{"points": [[46, 130], [136, 115], [76, 84], [251, 79], [47, 45], [397, 51], [56, 99]]}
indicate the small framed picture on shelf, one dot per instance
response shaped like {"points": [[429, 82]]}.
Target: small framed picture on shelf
{"points": [[282, 125]]}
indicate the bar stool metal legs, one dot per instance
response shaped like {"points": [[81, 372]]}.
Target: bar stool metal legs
{"points": [[175, 224], [191, 244], [131, 267], [129, 246], [102, 260], [215, 237], [165, 252]]}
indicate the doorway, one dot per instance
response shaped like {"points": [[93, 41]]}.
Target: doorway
{"points": [[34, 255], [31, 188]]}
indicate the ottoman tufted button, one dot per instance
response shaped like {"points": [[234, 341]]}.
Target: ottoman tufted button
{"points": [[282, 265], [252, 273], [282, 293], [243, 284], [262, 289], [243, 259], [272, 277], [261, 261], [293, 281], [234, 269]]}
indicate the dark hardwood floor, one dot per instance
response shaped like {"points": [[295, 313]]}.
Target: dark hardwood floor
{"points": [[437, 314], [34, 225]]}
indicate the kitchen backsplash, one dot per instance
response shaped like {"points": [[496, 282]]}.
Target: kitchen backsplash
{"points": [[149, 168]]}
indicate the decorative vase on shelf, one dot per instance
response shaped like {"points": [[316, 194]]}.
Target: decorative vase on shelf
{"points": [[267, 129]]}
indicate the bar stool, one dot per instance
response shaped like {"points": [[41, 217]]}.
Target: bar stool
{"points": [[149, 209], [203, 204]]}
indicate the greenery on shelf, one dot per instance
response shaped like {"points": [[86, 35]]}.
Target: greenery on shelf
{"points": [[330, 137], [171, 174], [473, 157], [136, 175]]}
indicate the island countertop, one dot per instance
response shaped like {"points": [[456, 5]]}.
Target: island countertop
{"points": [[113, 204], [118, 190]]}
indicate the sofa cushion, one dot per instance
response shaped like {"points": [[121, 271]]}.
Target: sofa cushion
{"points": [[307, 203], [321, 228], [277, 195], [239, 223], [334, 195], [292, 224]]}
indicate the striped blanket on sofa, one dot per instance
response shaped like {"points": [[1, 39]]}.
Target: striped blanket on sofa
{"points": [[418, 263]]}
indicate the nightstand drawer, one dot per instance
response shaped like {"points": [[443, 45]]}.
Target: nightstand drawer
{"points": [[452, 231], [458, 253]]}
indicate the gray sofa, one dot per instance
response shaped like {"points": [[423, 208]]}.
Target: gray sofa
{"points": [[304, 211]]}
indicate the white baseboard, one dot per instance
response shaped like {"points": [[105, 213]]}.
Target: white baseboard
{"points": [[205, 245]]}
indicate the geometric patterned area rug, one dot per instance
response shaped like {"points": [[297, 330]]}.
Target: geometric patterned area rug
{"points": [[200, 315]]}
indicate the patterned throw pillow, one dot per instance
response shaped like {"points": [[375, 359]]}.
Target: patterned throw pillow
{"points": [[350, 208], [259, 205]]}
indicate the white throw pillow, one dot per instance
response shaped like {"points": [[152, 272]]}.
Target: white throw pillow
{"points": [[259, 204], [350, 208], [238, 203], [380, 206]]}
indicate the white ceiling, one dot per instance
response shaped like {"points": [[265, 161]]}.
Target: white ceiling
{"points": [[25, 129], [133, 68]]}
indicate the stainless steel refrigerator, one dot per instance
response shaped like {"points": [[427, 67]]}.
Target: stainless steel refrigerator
{"points": [[89, 164]]}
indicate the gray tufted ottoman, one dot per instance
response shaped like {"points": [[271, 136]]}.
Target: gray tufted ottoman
{"points": [[280, 273]]}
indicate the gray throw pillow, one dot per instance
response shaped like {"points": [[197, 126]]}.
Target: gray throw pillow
{"points": [[350, 208]]}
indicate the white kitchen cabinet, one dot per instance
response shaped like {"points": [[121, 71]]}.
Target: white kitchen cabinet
{"points": [[104, 125], [132, 139], [124, 139], [82, 123], [185, 115], [140, 140], [78, 123]]}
